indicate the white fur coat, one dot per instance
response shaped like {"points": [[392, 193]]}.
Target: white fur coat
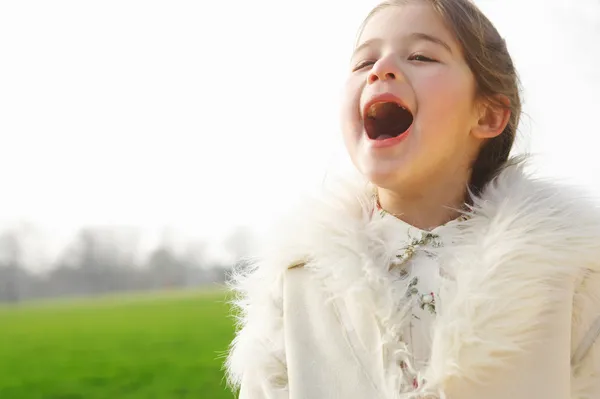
{"points": [[319, 315]]}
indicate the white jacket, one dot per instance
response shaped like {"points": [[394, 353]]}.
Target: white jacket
{"points": [[319, 316]]}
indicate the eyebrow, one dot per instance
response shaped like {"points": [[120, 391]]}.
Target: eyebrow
{"points": [[413, 36], [430, 38], [364, 44]]}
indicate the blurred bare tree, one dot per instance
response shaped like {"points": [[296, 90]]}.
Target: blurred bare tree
{"points": [[12, 272], [104, 260], [239, 244]]}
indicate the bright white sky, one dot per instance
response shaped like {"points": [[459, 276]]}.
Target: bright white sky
{"points": [[203, 116]]}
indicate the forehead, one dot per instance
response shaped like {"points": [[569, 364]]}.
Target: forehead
{"points": [[393, 23]]}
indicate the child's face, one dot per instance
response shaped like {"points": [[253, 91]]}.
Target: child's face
{"points": [[406, 55]]}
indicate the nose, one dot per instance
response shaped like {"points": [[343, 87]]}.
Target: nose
{"points": [[385, 69]]}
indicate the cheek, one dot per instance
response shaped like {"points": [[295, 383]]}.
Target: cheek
{"points": [[351, 118], [351, 122], [445, 101]]}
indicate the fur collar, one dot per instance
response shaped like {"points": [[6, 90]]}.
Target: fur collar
{"points": [[524, 235]]}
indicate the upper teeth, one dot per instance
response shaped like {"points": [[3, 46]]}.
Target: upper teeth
{"points": [[375, 108]]}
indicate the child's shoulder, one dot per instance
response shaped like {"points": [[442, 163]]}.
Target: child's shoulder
{"points": [[551, 210], [312, 229], [342, 203]]}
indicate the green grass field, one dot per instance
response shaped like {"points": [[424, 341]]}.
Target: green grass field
{"points": [[167, 345]]}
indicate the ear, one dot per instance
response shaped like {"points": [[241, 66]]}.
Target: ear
{"points": [[493, 117]]}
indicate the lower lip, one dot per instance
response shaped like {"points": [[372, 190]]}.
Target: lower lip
{"points": [[388, 142]]}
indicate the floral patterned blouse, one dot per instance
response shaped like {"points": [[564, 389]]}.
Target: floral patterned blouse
{"points": [[418, 264]]}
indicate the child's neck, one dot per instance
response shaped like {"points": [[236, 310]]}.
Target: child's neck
{"points": [[428, 207]]}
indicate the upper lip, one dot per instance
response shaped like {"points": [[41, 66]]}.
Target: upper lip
{"points": [[384, 98]]}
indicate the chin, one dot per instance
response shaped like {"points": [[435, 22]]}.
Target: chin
{"points": [[384, 177]]}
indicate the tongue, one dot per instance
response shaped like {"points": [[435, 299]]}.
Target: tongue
{"points": [[384, 137]]}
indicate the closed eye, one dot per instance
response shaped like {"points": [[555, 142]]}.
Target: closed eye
{"points": [[362, 64], [421, 58]]}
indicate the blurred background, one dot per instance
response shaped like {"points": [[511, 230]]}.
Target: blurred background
{"points": [[146, 147]]}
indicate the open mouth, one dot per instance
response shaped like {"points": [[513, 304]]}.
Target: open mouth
{"points": [[386, 120]]}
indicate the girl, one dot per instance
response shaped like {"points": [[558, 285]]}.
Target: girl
{"points": [[449, 273]]}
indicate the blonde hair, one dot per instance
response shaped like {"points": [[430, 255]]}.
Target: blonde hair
{"points": [[486, 54]]}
